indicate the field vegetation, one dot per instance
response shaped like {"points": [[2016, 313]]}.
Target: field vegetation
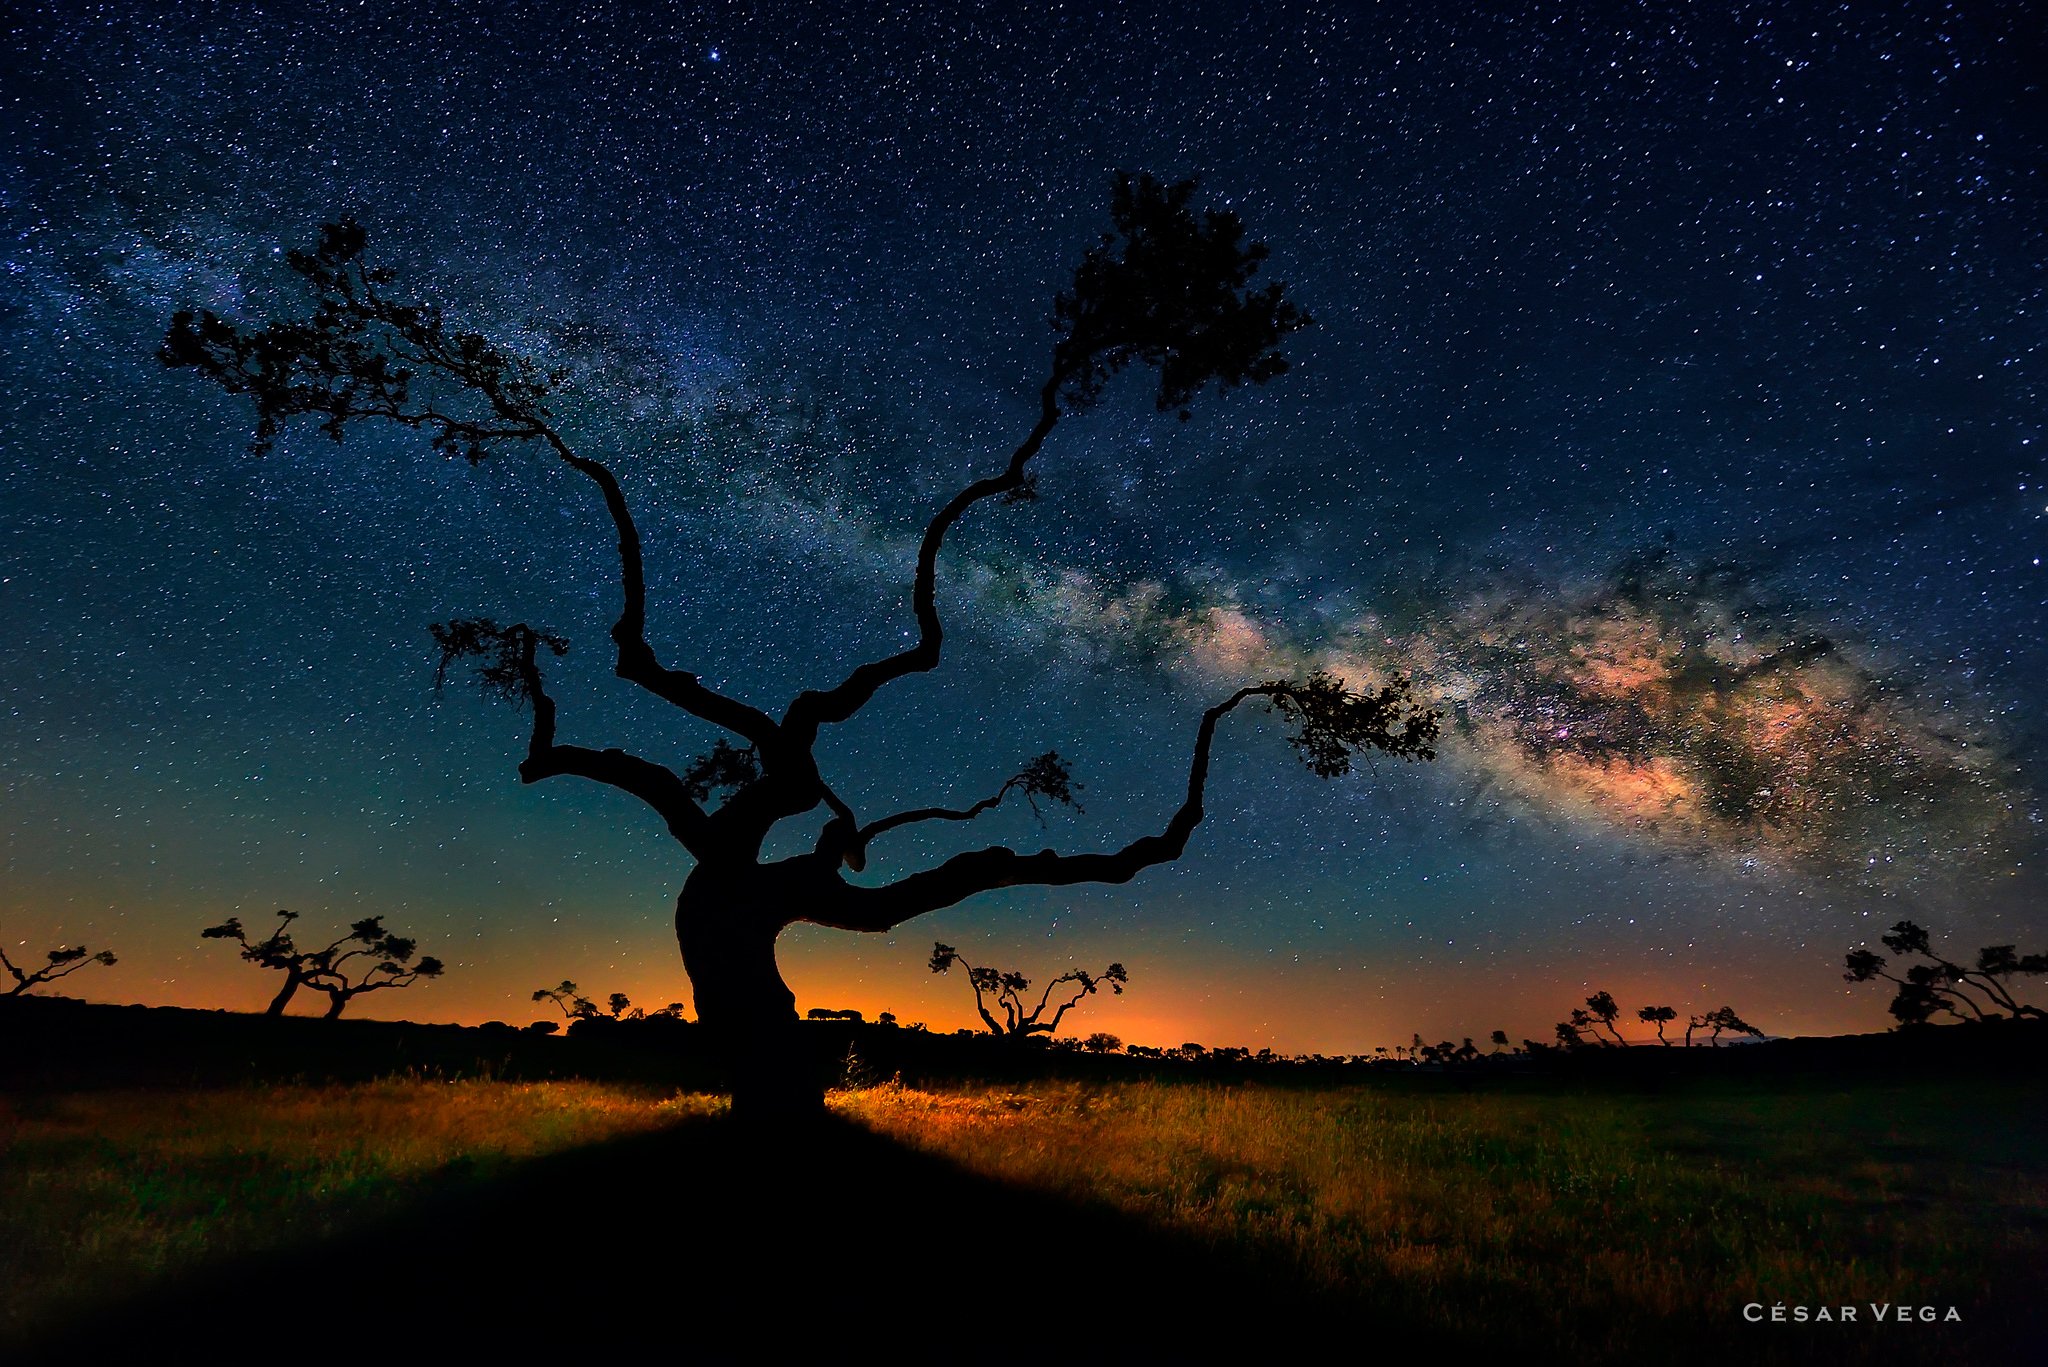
{"points": [[1594, 1219]]}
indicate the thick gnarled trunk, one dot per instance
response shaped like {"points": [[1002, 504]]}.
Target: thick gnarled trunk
{"points": [[726, 925]]}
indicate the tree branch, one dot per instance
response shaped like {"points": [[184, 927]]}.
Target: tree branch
{"points": [[811, 708], [1330, 724], [1169, 288], [656, 785], [965, 875], [360, 355], [1046, 776]]}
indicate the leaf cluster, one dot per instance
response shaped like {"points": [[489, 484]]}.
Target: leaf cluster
{"points": [[390, 955], [1941, 986], [503, 654], [1169, 288], [360, 354], [726, 768], [1330, 722]]}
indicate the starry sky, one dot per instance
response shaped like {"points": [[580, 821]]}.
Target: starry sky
{"points": [[1673, 416]]}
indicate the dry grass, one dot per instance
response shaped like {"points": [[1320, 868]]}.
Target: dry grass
{"points": [[1593, 1221], [1596, 1221], [101, 1191]]}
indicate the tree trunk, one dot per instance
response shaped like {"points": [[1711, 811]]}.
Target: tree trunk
{"points": [[335, 1001], [284, 995], [727, 926]]}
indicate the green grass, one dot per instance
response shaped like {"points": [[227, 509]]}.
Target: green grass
{"points": [[102, 1191], [1600, 1221], [1596, 1221]]}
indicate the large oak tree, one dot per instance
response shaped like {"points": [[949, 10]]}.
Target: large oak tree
{"points": [[1168, 288]]}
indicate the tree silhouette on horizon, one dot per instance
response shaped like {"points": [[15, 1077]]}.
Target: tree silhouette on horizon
{"points": [[1007, 991], [64, 961], [1658, 1016], [1168, 288], [1715, 1022], [386, 961], [1942, 985]]}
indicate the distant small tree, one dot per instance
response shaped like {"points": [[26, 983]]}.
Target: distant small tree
{"points": [[1579, 1030], [1658, 1016], [1006, 992], [1941, 985], [382, 960], [1500, 1040], [1602, 1008], [1102, 1042], [63, 962], [568, 998], [1718, 1020], [570, 1001]]}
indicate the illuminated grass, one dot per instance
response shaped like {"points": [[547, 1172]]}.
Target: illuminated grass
{"points": [[102, 1191], [1594, 1221]]}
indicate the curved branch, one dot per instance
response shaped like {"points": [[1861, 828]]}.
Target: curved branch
{"points": [[811, 708], [637, 662], [656, 785], [1046, 776], [978, 871], [1052, 1027], [358, 357], [1169, 288]]}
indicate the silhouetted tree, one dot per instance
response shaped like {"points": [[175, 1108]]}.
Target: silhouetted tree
{"points": [[1942, 985], [368, 958], [1169, 287], [1658, 1016], [618, 1007], [63, 962], [1720, 1019], [1602, 1009], [1006, 991], [1102, 1042], [1499, 1039], [1579, 1030], [568, 998]]}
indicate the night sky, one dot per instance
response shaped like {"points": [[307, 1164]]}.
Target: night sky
{"points": [[1674, 415]]}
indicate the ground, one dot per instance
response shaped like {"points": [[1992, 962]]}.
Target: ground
{"points": [[1594, 1222]]}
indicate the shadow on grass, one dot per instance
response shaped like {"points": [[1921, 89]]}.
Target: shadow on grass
{"points": [[720, 1238]]}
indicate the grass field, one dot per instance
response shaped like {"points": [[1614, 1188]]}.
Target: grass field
{"points": [[1597, 1221], [102, 1191]]}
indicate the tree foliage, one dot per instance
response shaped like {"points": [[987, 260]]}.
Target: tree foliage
{"points": [[62, 962], [1006, 992], [575, 1007], [1722, 1019], [368, 958], [1940, 986], [1659, 1016]]}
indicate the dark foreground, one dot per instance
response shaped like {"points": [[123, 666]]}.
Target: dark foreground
{"points": [[1620, 1214]]}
